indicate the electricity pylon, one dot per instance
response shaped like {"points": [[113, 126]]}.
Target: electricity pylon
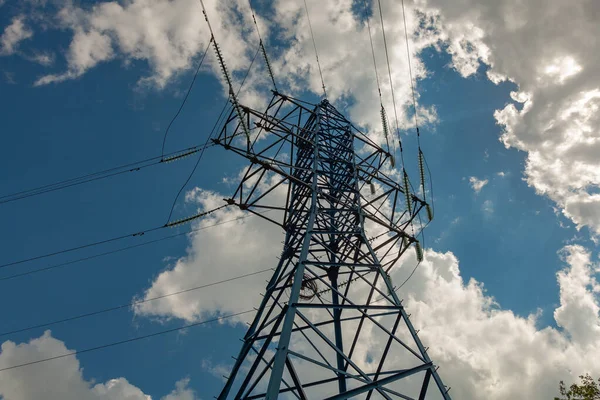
{"points": [[330, 324]]}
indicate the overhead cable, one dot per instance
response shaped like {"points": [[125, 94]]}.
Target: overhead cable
{"points": [[113, 239], [208, 139], [387, 57], [121, 249], [131, 304], [134, 339], [412, 85], [382, 111], [162, 152], [221, 61], [262, 46], [107, 173], [315, 46]]}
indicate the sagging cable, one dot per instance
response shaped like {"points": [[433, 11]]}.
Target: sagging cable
{"points": [[232, 95], [262, 47]]}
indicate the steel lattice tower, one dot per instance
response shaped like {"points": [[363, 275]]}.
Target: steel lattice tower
{"points": [[330, 324]]}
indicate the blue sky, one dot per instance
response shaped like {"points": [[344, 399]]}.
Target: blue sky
{"points": [[505, 236]]}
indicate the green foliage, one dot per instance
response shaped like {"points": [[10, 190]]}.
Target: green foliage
{"points": [[587, 390]]}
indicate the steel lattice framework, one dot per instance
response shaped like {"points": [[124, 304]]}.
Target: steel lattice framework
{"points": [[330, 324]]}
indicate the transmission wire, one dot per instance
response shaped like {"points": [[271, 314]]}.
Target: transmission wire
{"points": [[412, 86], [387, 57], [196, 164], [140, 233], [134, 339], [131, 304], [64, 264], [101, 174], [107, 173], [262, 46], [375, 67], [315, 46], [212, 132], [162, 152]]}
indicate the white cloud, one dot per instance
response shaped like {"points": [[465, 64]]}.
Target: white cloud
{"points": [[181, 391], [217, 254], [477, 184], [44, 58], [87, 49], [14, 34], [554, 67], [62, 379], [579, 309], [488, 207], [501, 174], [342, 41], [9, 77], [490, 353], [168, 35], [484, 351], [558, 75]]}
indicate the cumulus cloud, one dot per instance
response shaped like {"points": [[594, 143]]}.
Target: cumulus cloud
{"points": [[167, 35], [342, 39], [170, 35], [504, 356], [63, 379], [488, 207], [484, 351], [556, 69], [181, 391], [43, 58], [555, 66], [223, 253], [13, 35], [477, 184]]}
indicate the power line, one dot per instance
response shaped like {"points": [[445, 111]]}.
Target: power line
{"points": [[262, 46], [64, 264], [383, 114], [131, 167], [107, 173], [162, 152], [69, 250], [225, 72], [140, 233], [212, 132], [196, 164], [372, 48], [412, 86], [315, 46], [387, 57], [134, 339], [131, 304]]}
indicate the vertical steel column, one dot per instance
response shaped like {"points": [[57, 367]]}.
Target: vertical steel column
{"points": [[288, 323]]}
